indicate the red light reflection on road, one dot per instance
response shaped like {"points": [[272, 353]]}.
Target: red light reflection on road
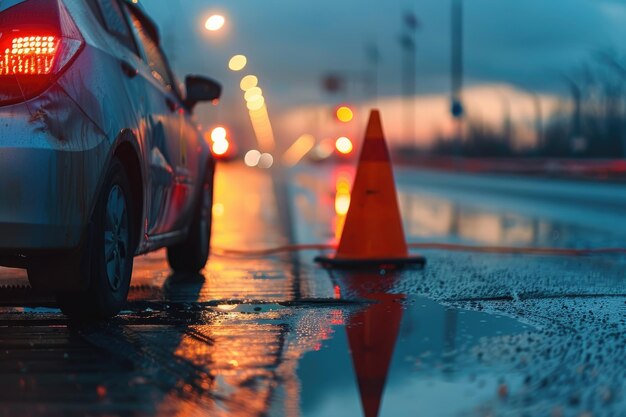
{"points": [[343, 185]]}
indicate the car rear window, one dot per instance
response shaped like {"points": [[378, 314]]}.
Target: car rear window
{"points": [[156, 59]]}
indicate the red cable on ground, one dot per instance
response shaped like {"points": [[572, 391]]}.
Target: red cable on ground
{"points": [[270, 251], [430, 245]]}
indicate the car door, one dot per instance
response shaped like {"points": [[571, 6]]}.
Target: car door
{"points": [[168, 188]]}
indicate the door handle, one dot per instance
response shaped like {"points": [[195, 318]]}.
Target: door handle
{"points": [[129, 70], [171, 104]]}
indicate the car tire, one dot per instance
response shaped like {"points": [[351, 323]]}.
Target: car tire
{"points": [[192, 254], [106, 257]]}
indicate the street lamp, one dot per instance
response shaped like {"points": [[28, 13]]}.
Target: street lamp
{"points": [[248, 82], [237, 62], [215, 23]]}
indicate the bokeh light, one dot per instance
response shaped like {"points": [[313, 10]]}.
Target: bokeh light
{"points": [[248, 82], [219, 133], [252, 157], [220, 147], [252, 94], [256, 104], [237, 62], [324, 149], [344, 114], [266, 161], [215, 22], [342, 203], [344, 145], [299, 149]]}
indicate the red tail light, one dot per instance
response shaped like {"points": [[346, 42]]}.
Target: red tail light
{"points": [[29, 55], [38, 39]]}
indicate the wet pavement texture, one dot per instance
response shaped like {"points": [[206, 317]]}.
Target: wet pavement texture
{"points": [[471, 334]]}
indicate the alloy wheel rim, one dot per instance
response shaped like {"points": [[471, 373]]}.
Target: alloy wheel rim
{"points": [[116, 237]]}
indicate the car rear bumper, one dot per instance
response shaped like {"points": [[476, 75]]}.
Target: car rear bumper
{"points": [[37, 210], [51, 160]]}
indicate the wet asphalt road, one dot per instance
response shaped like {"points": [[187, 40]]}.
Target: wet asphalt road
{"points": [[474, 334]]}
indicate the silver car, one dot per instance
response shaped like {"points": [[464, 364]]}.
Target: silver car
{"points": [[99, 157]]}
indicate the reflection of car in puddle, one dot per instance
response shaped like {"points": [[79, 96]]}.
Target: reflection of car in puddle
{"points": [[424, 355]]}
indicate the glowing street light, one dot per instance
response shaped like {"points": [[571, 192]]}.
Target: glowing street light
{"points": [[218, 134], [248, 82], [252, 94], [220, 147], [256, 104], [344, 145], [215, 22], [237, 62]]}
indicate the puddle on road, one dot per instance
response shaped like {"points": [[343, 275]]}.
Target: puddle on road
{"points": [[406, 355], [374, 354]]}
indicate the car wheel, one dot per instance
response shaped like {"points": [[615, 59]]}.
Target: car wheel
{"points": [[110, 250], [191, 255]]}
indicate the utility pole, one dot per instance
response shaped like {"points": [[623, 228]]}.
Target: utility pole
{"points": [[538, 121], [408, 41], [373, 59], [576, 139], [456, 107], [614, 63]]}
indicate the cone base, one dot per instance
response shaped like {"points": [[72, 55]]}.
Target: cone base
{"points": [[380, 263]]}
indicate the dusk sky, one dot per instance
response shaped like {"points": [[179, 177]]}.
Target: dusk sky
{"points": [[290, 44]]}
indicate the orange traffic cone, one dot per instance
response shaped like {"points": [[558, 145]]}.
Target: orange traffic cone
{"points": [[373, 235]]}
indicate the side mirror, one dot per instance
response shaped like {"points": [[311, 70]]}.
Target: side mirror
{"points": [[201, 89]]}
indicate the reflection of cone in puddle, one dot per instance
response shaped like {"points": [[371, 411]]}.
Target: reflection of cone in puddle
{"points": [[372, 335]]}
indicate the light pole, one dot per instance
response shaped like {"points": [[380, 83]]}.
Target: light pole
{"points": [[456, 107], [538, 121], [576, 92], [612, 62], [408, 42], [373, 58]]}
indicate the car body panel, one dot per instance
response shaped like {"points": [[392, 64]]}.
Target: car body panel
{"points": [[40, 161]]}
